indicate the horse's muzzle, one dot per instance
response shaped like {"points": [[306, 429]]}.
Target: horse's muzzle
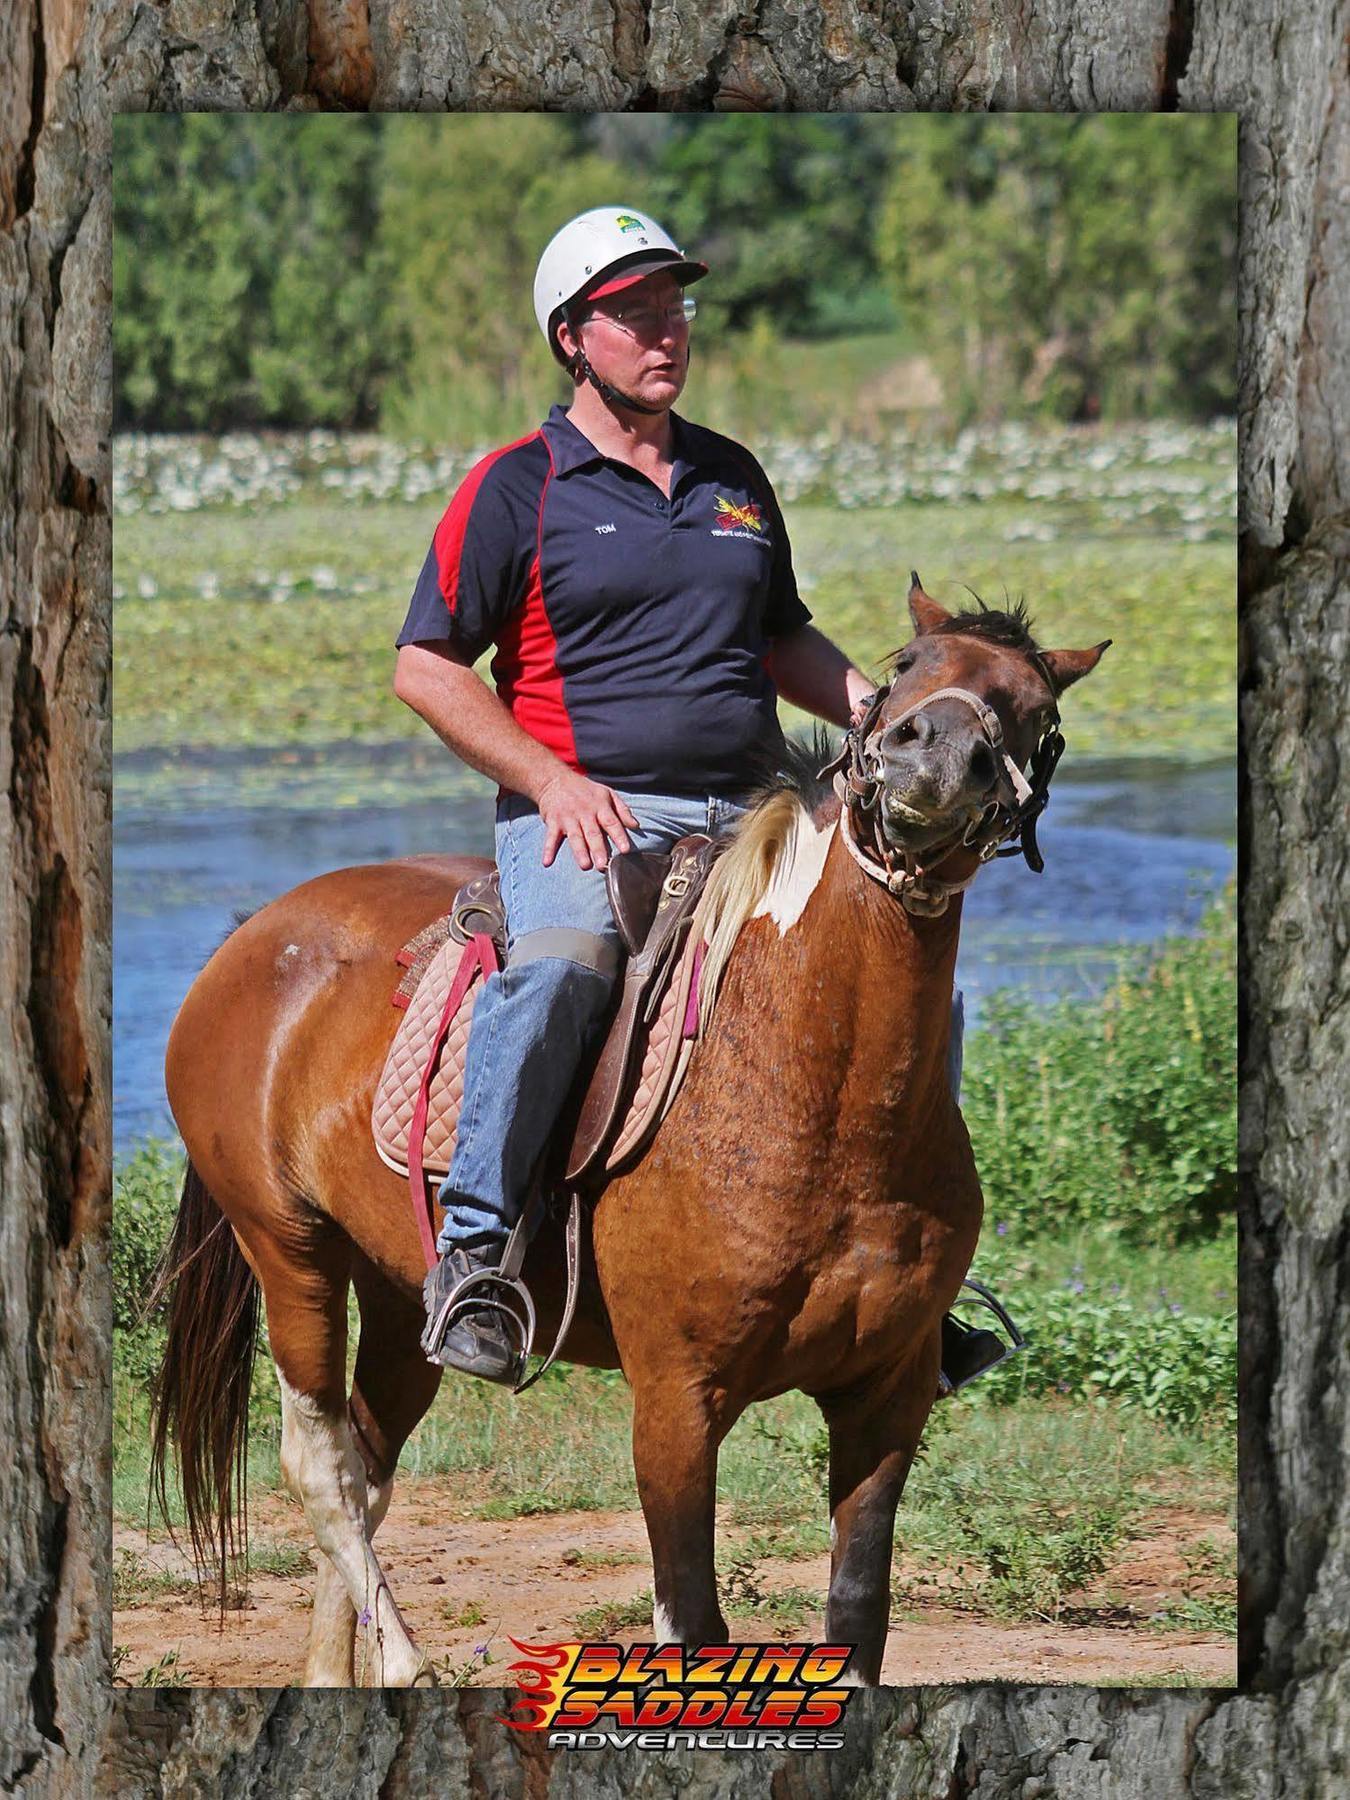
{"points": [[933, 787]]}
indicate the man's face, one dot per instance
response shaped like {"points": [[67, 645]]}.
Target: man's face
{"points": [[638, 340]]}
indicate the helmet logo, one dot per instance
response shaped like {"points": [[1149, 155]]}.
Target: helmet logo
{"points": [[626, 222], [730, 516]]}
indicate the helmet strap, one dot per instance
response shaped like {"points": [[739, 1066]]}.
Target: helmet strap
{"points": [[580, 364], [612, 396]]}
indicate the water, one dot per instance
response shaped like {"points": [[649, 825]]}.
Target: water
{"points": [[1133, 852]]}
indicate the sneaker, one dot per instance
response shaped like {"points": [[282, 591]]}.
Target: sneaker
{"points": [[479, 1342], [966, 1353]]}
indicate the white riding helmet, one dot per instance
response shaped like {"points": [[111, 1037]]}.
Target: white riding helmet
{"points": [[599, 252]]}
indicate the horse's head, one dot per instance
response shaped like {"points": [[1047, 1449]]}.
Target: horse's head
{"points": [[940, 763]]}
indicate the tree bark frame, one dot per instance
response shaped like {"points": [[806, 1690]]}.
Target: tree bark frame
{"points": [[67, 66]]}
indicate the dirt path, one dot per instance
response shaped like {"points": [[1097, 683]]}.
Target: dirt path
{"points": [[468, 1582]]}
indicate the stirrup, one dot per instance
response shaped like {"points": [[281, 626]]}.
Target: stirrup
{"points": [[983, 1297], [512, 1300]]}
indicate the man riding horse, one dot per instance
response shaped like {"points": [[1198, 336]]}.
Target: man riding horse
{"points": [[634, 574]]}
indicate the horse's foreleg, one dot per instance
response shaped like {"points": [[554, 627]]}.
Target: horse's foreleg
{"points": [[873, 1437], [675, 1444]]}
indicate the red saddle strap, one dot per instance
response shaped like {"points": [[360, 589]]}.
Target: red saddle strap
{"points": [[479, 953]]}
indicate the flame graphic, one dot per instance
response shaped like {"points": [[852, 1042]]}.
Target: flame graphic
{"points": [[542, 1683], [748, 515]]}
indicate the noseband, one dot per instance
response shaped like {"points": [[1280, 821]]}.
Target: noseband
{"points": [[1004, 824]]}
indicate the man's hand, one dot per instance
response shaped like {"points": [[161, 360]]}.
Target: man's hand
{"points": [[589, 816], [861, 703]]}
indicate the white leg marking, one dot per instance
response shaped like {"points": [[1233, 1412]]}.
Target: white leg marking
{"points": [[663, 1626], [323, 1469], [331, 1655]]}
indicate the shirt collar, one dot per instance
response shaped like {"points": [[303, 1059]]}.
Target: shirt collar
{"points": [[572, 449]]}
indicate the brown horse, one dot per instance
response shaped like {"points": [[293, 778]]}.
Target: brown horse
{"points": [[803, 1219]]}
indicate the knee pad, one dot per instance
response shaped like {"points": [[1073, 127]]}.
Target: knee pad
{"points": [[564, 944]]}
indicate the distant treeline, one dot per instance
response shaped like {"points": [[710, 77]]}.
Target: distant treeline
{"points": [[353, 271]]}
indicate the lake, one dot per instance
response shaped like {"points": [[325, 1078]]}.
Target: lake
{"points": [[1134, 850]]}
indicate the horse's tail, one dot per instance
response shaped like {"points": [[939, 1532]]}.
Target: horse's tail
{"points": [[200, 1394]]}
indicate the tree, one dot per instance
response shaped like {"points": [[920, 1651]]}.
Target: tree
{"points": [[467, 206], [247, 286], [64, 1731], [1080, 267]]}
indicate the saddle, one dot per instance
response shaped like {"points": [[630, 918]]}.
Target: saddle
{"points": [[645, 1051]]}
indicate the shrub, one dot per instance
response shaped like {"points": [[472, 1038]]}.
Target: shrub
{"points": [[1178, 1368], [1120, 1112], [145, 1203]]}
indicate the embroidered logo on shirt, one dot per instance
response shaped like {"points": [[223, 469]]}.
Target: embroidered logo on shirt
{"points": [[735, 520], [602, 529]]}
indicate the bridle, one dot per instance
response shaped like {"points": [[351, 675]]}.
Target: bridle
{"points": [[1003, 824]]}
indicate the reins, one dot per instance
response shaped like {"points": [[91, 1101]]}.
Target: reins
{"points": [[1003, 825]]}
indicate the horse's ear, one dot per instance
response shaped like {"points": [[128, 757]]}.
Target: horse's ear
{"points": [[1068, 666], [923, 609]]}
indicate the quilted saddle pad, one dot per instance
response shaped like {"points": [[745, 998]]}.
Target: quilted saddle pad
{"points": [[662, 1061]]}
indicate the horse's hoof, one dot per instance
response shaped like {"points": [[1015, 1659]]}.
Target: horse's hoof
{"points": [[426, 1675]]}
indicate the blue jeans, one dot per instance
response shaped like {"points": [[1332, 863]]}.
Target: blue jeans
{"points": [[534, 1021]]}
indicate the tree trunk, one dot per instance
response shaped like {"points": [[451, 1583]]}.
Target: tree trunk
{"points": [[67, 65]]}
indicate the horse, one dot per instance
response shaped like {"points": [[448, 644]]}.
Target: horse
{"points": [[802, 1220]]}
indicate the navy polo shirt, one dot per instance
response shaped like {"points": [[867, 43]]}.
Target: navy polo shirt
{"points": [[631, 631]]}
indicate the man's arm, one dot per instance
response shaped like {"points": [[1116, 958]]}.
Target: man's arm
{"points": [[469, 719], [813, 673]]}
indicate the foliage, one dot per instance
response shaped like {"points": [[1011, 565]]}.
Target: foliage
{"points": [[328, 268], [247, 282], [146, 1203], [1122, 1114], [1175, 1367], [1032, 1549], [1083, 267], [782, 209], [271, 620], [468, 203]]}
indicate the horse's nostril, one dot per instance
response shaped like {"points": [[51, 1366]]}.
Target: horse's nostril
{"points": [[923, 728], [982, 764]]}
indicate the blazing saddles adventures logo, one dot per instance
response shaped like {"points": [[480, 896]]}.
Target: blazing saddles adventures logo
{"points": [[737, 520], [690, 1697]]}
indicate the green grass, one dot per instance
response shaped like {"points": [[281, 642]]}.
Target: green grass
{"points": [[315, 665]]}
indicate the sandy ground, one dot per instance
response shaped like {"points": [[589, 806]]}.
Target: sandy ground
{"points": [[465, 1582]]}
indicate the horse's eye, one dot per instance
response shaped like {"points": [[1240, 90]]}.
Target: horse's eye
{"points": [[905, 662]]}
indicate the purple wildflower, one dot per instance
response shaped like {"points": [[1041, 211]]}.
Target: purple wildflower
{"points": [[1001, 1229], [480, 1649], [364, 1618]]}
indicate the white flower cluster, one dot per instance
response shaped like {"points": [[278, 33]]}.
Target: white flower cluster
{"points": [[1181, 478], [173, 473]]}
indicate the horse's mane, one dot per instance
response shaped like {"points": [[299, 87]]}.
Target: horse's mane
{"points": [[763, 847], [768, 840], [1011, 626]]}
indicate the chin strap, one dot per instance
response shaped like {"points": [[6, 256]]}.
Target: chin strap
{"points": [[611, 396]]}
